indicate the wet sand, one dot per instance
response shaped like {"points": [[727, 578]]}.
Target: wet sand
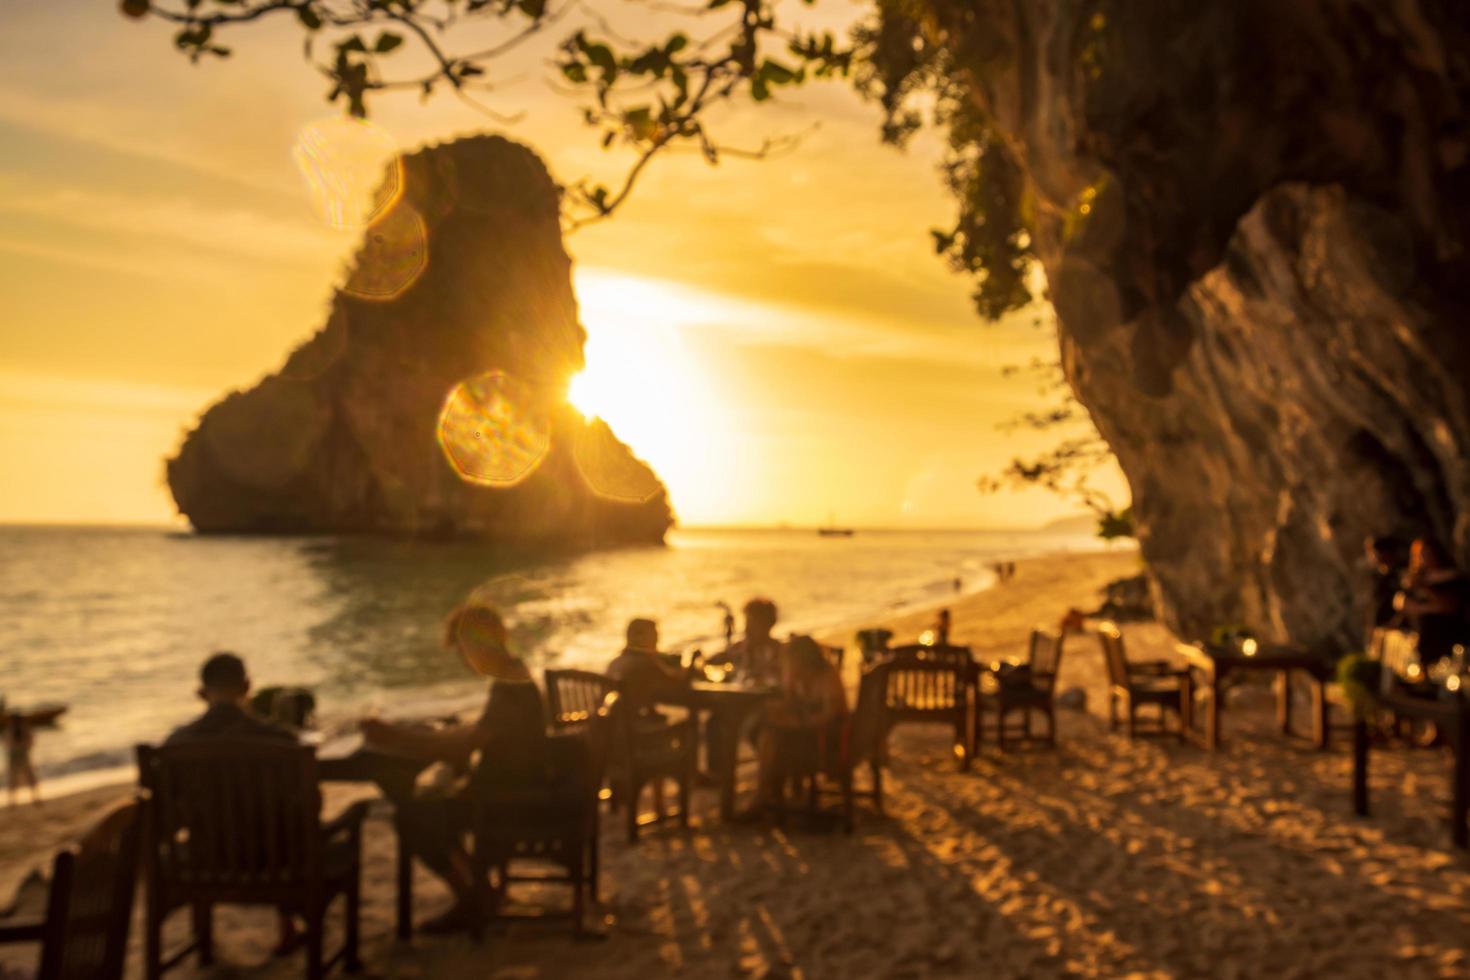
{"points": [[1101, 857]]}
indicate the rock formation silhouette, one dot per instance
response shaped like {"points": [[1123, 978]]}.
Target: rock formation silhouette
{"points": [[1253, 218], [463, 277]]}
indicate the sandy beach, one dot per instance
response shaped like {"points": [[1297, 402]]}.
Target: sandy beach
{"points": [[1099, 858]]}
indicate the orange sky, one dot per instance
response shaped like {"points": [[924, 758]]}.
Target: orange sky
{"points": [[157, 247]]}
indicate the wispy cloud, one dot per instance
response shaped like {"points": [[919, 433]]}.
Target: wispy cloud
{"points": [[179, 220]]}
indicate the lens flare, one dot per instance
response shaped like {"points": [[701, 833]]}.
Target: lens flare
{"points": [[493, 430], [609, 467], [395, 252], [352, 170]]}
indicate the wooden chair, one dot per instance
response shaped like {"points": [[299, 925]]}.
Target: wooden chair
{"points": [[859, 743], [233, 821], [574, 696], [646, 749], [930, 685], [84, 934], [1027, 688], [552, 819], [1156, 682]]}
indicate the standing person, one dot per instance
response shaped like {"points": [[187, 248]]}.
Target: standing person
{"points": [[940, 629], [1385, 574], [1436, 601], [509, 736], [19, 740]]}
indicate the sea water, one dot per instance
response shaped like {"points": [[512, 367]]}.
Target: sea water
{"points": [[115, 622]]}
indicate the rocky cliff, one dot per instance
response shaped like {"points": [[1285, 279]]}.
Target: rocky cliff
{"points": [[1253, 217], [433, 400]]}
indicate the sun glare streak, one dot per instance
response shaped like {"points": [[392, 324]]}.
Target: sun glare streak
{"points": [[645, 381]]}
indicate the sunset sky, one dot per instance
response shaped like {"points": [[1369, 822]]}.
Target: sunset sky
{"points": [[159, 248]]}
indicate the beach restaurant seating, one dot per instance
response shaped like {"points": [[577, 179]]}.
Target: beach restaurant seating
{"points": [[519, 828], [1028, 687], [239, 822], [930, 685], [89, 905], [573, 697], [1160, 683]]}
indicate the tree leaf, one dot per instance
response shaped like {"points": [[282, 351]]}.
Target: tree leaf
{"points": [[387, 41]]}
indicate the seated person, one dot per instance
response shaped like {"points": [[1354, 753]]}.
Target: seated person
{"points": [[509, 735], [1436, 601], [803, 727], [224, 687], [642, 673], [757, 656]]}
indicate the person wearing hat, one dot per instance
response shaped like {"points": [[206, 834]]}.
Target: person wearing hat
{"points": [[509, 737], [642, 673]]}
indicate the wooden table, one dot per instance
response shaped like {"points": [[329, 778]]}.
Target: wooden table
{"points": [[1218, 663], [394, 775], [727, 706], [1453, 718]]}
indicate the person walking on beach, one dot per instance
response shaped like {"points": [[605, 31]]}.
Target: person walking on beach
{"points": [[19, 740], [509, 736]]}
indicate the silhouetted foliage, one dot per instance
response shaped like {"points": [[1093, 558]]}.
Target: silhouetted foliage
{"points": [[655, 97], [1066, 468]]}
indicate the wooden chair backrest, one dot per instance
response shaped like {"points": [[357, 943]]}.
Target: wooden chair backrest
{"points": [[915, 687], [1046, 658], [1116, 659], [573, 696], [91, 901], [241, 816], [1397, 650], [948, 654]]}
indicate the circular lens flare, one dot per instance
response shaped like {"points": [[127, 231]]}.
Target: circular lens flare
{"points": [[493, 431], [610, 468], [394, 253], [352, 169]]}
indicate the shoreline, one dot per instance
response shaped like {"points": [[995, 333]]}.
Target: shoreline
{"points": [[1038, 861]]}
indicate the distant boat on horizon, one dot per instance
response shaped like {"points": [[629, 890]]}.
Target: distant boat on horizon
{"points": [[831, 530]]}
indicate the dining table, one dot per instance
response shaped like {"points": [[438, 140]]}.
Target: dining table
{"points": [[1214, 663], [350, 759], [724, 709]]}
